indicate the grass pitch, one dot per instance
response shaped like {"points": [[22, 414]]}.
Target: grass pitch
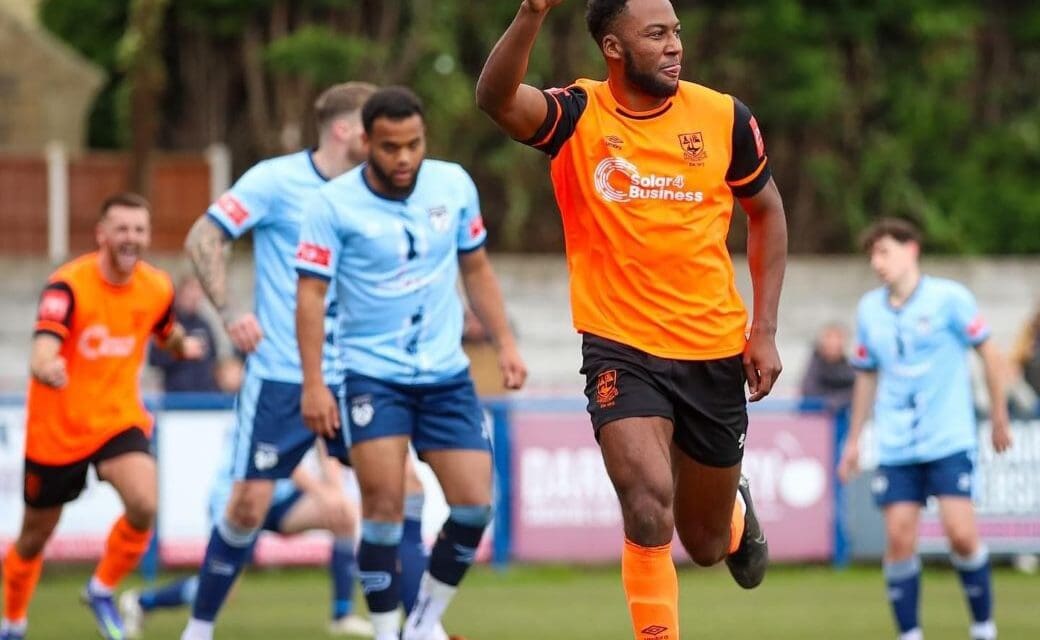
{"points": [[535, 603]]}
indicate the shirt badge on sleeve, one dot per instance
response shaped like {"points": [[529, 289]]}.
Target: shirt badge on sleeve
{"points": [[233, 209], [314, 254]]}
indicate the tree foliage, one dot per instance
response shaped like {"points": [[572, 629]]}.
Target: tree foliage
{"points": [[923, 108]]}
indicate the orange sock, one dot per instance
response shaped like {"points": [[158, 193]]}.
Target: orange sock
{"points": [[736, 526], [123, 551], [652, 591], [20, 579]]}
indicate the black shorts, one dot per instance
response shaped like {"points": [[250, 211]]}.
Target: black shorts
{"points": [[704, 399], [54, 485]]}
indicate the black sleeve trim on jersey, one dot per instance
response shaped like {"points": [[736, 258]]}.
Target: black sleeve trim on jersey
{"points": [[749, 170], [165, 322], [472, 249], [48, 332], [64, 287], [564, 107], [307, 273], [228, 235]]}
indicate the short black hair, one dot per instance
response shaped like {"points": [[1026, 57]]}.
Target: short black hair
{"points": [[899, 229], [395, 103], [124, 199], [600, 16]]}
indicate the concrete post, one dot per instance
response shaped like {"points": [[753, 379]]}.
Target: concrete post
{"points": [[57, 202]]}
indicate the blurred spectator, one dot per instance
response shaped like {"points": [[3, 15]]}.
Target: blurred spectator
{"points": [[189, 375], [829, 376], [1025, 363]]}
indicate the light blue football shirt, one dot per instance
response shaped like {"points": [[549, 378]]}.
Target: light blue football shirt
{"points": [[268, 200], [924, 408], [395, 265]]}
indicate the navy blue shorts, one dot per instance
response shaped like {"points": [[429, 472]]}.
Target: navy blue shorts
{"points": [[946, 477], [439, 415], [270, 438], [279, 509]]}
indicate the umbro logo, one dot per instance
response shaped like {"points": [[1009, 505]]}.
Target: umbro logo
{"points": [[655, 632]]}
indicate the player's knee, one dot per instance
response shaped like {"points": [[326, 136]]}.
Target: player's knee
{"points": [[30, 542], [648, 517], [964, 543], [900, 547], [382, 507], [344, 521], [141, 511], [246, 513]]}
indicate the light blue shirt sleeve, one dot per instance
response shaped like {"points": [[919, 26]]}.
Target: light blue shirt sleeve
{"points": [[967, 322], [472, 234], [317, 253], [246, 204], [863, 356]]}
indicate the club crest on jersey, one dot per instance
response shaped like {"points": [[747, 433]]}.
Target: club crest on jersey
{"points": [[362, 411], [693, 146], [265, 457], [606, 389], [439, 219]]}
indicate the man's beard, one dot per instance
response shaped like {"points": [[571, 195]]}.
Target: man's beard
{"points": [[648, 83], [388, 183]]}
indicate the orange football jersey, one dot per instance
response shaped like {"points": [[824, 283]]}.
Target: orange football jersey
{"points": [[646, 200], [104, 329]]}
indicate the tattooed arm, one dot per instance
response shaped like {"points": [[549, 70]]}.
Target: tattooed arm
{"points": [[207, 247]]}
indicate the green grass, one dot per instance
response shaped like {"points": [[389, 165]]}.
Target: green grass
{"points": [[534, 603]]}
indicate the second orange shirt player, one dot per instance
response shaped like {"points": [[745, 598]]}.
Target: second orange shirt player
{"points": [[96, 316]]}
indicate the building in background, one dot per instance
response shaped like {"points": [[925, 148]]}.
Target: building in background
{"points": [[46, 88]]}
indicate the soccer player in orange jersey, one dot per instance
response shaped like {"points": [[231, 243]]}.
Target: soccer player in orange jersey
{"points": [[646, 169], [95, 318]]}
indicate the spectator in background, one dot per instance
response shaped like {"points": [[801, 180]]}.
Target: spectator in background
{"points": [[1025, 361], [189, 375], [829, 376]]}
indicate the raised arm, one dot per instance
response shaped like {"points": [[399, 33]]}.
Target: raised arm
{"points": [[518, 108], [767, 260]]}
